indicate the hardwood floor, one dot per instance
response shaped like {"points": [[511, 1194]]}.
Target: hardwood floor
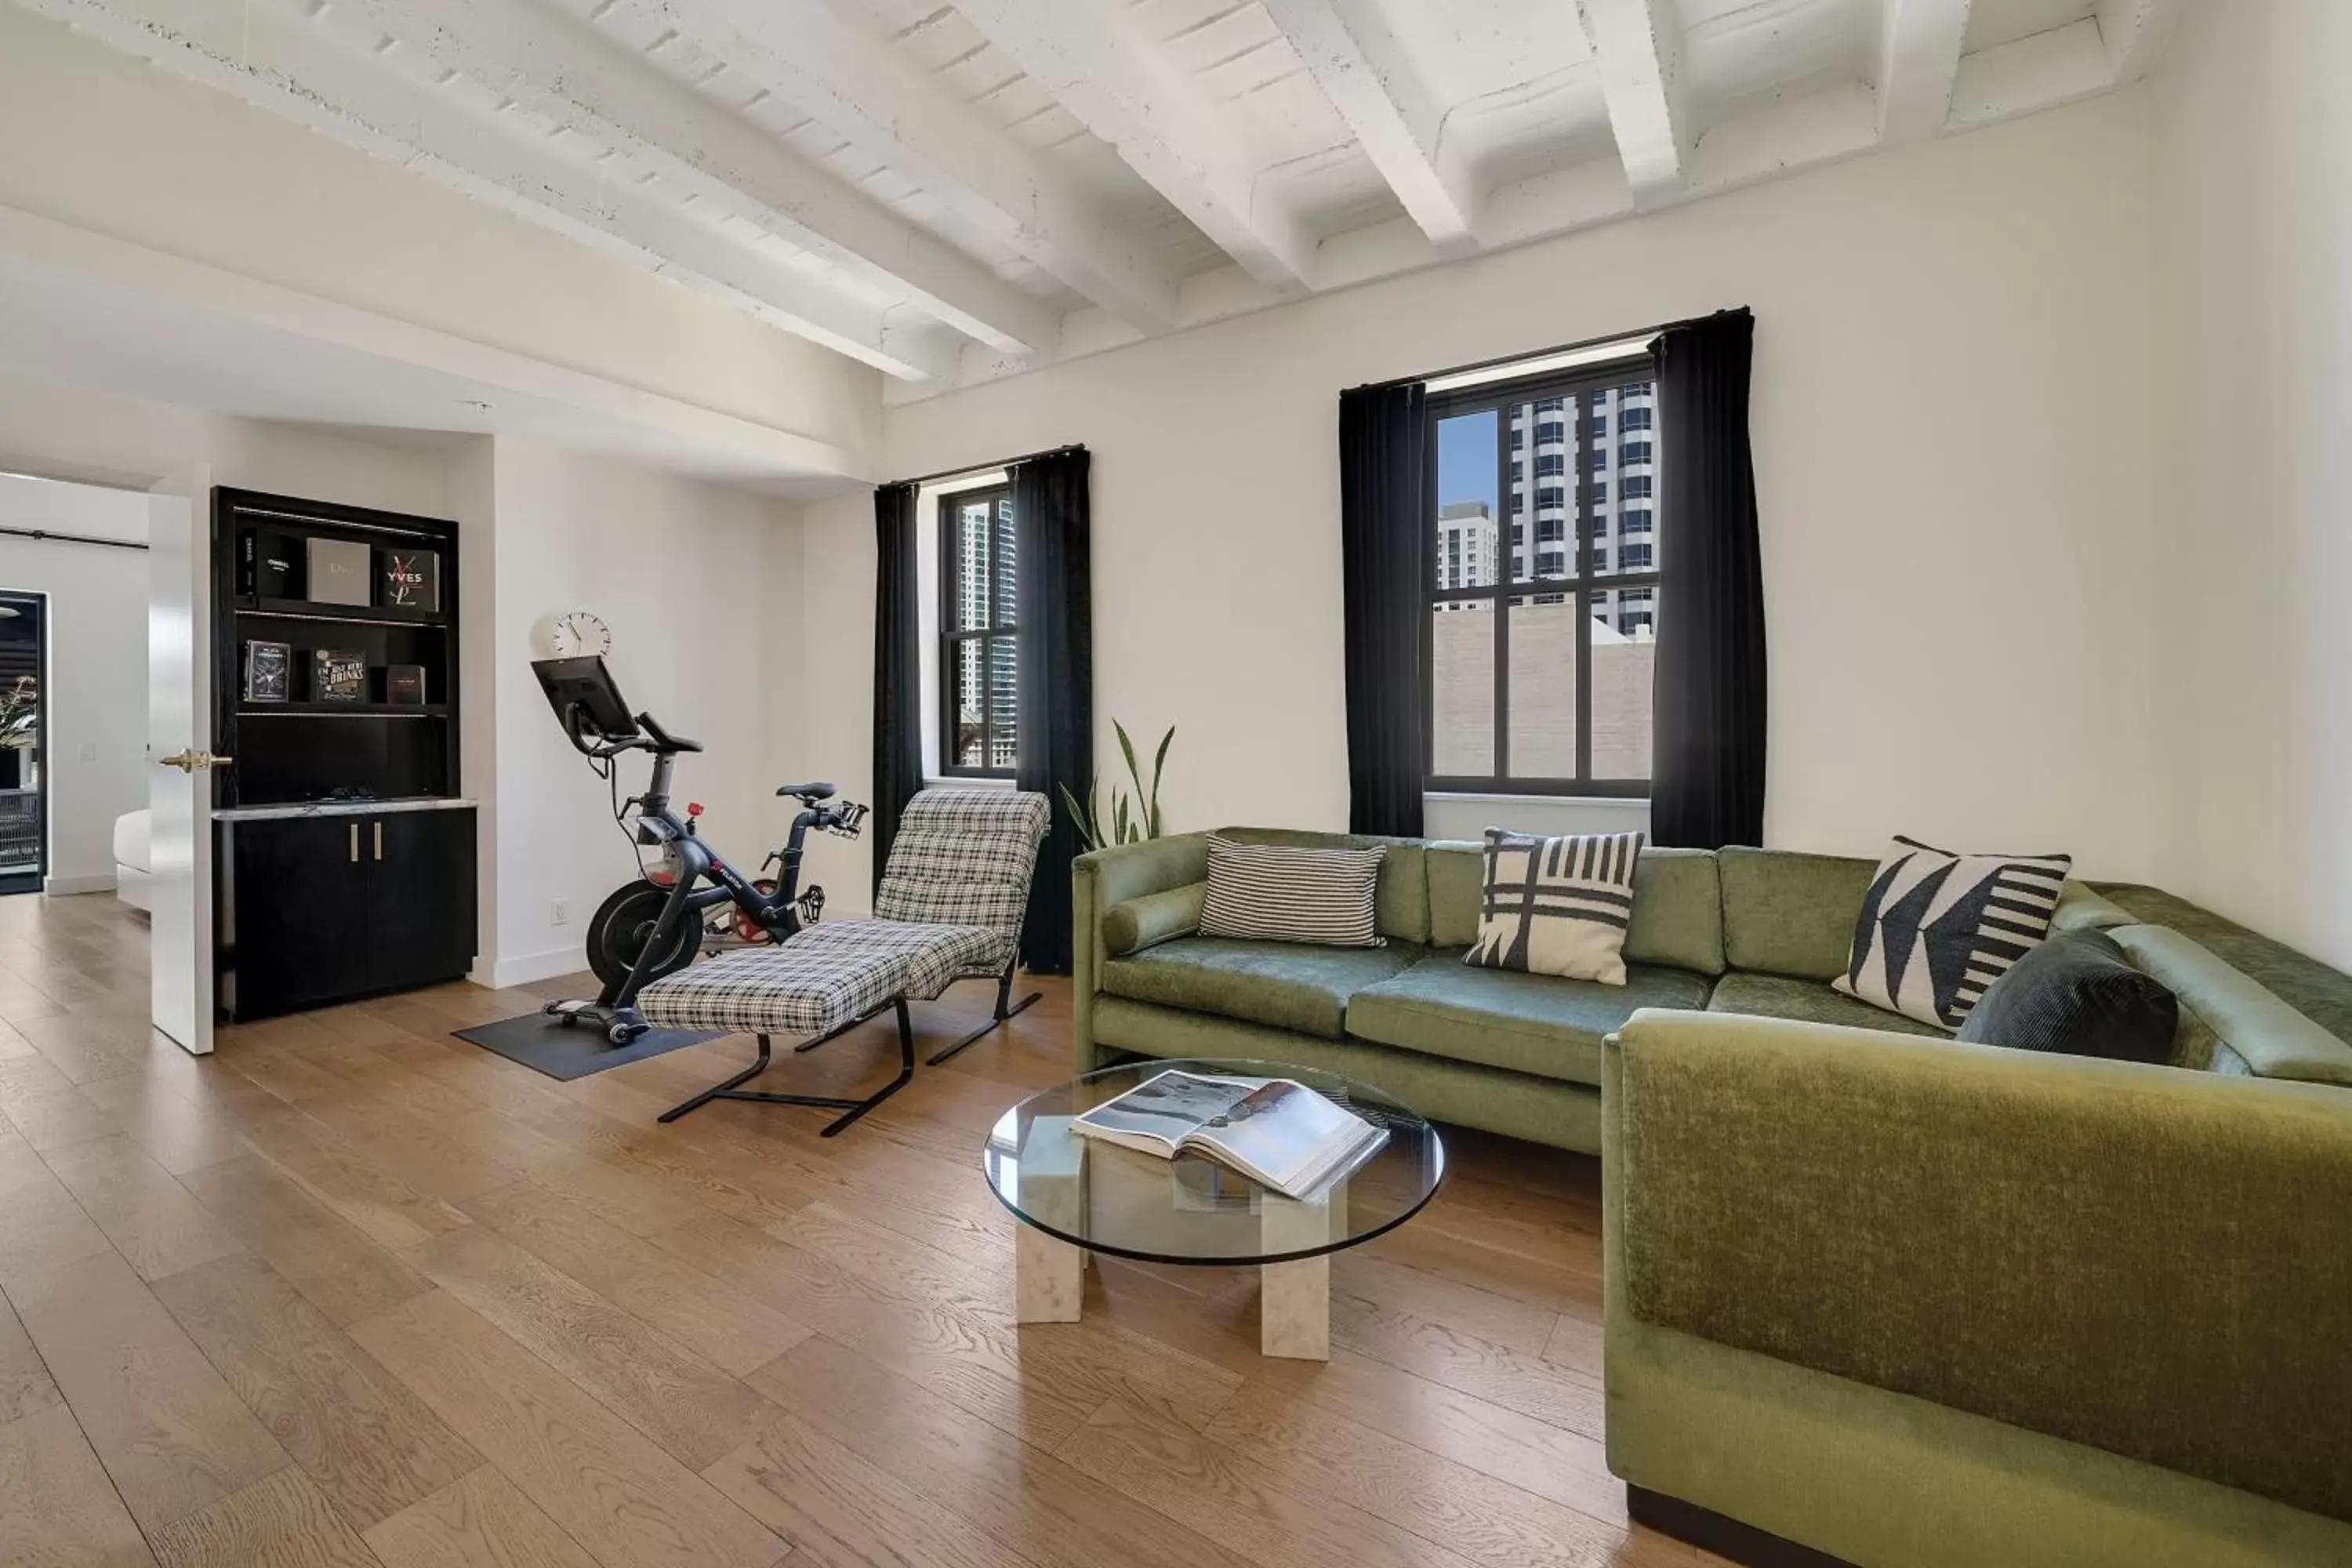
{"points": [[351, 1291]]}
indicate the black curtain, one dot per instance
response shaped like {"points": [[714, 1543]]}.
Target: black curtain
{"points": [[897, 668], [1383, 542], [1053, 588], [1708, 785]]}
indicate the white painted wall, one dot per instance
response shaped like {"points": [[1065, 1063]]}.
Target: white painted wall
{"points": [[2252, 646], [95, 139], [96, 767], [1950, 425], [682, 571]]}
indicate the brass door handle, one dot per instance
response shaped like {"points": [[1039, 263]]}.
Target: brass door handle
{"points": [[355, 842], [194, 761], [379, 840]]}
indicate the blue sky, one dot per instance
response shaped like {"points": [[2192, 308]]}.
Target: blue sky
{"points": [[1466, 459]]}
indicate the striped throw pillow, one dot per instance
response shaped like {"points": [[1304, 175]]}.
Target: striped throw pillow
{"points": [[1557, 906], [1277, 892], [1938, 929]]}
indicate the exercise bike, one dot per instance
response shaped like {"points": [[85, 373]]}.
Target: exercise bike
{"points": [[652, 926]]}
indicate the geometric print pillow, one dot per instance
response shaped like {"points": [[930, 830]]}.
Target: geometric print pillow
{"points": [[1938, 929], [1557, 906]]}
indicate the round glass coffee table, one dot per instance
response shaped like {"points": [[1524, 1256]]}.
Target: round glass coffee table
{"points": [[1075, 1195]]}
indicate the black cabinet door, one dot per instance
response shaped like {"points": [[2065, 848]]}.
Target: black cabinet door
{"points": [[300, 899], [420, 867]]}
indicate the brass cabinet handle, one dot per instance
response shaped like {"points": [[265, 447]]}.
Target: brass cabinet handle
{"points": [[355, 842], [379, 840]]}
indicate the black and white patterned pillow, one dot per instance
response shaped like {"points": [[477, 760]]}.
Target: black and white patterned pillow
{"points": [[1557, 906], [1281, 892], [1938, 929]]}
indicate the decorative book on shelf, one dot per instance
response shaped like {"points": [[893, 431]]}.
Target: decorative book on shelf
{"points": [[404, 684], [408, 580], [339, 572], [268, 671], [338, 675], [270, 564]]}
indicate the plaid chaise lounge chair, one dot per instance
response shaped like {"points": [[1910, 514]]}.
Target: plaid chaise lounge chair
{"points": [[949, 909]]}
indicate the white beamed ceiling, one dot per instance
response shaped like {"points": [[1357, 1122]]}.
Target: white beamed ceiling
{"points": [[954, 189]]}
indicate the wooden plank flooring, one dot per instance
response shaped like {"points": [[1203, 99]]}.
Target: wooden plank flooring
{"points": [[352, 1291]]}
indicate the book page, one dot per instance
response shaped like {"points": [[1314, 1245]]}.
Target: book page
{"points": [[1170, 1106]]}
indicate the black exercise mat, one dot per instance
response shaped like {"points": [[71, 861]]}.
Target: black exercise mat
{"points": [[568, 1051]]}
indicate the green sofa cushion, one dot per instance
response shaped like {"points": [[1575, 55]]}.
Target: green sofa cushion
{"points": [[1401, 900], [1535, 1024], [2222, 1008], [1809, 1001], [1154, 918], [1282, 985], [2320, 994], [2080, 909], [1785, 914], [1678, 904]]}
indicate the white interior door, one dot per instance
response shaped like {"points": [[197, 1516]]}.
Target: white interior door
{"points": [[179, 728]]}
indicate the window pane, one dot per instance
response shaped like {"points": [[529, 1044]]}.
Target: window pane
{"points": [[1623, 516], [1004, 707], [1624, 653], [1462, 689], [971, 706], [1542, 717], [1001, 556], [1468, 544], [972, 609]]}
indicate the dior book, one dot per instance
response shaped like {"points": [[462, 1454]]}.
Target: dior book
{"points": [[339, 573]]}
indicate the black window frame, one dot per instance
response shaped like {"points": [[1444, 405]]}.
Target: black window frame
{"points": [[951, 575], [1587, 388]]}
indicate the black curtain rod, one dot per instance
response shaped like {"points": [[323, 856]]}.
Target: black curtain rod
{"points": [[73, 538], [1546, 353], [984, 468]]}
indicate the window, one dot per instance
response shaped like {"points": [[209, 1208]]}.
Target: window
{"points": [[1637, 486], [1537, 658], [978, 622], [1551, 432]]}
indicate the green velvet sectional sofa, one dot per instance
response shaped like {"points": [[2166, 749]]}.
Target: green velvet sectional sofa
{"points": [[1750, 931], [1873, 1296]]}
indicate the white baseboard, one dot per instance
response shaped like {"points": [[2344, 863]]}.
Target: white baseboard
{"points": [[499, 974], [66, 887]]}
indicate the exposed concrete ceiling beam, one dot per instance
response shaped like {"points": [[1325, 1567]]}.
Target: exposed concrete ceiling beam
{"points": [[1918, 61], [1090, 57], [1369, 76], [808, 55], [589, 84], [2135, 33], [1637, 46], [277, 63]]}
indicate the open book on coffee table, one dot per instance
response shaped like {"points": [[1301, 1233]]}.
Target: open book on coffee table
{"points": [[1278, 1133]]}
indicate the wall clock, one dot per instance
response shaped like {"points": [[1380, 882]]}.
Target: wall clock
{"points": [[577, 634]]}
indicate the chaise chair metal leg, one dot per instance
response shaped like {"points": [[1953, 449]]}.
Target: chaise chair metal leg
{"points": [[731, 1088], [1005, 1008]]}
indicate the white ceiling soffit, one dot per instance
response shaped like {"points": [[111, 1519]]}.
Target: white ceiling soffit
{"points": [[954, 189]]}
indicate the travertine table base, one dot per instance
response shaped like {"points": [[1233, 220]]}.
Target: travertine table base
{"points": [[1294, 1298]]}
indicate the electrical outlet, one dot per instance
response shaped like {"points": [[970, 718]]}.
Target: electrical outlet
{"points": [[559, 913]]}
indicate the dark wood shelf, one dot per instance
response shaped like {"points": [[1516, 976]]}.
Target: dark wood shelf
{"points": [[346, 614], [343, 709]]}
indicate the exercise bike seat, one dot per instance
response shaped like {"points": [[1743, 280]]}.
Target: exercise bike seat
{"points": [[812, 793]]}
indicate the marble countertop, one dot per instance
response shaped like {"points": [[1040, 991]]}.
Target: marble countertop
{"points": [[338, 808]]}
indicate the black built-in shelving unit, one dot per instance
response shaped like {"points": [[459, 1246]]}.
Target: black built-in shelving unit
{"points": [[286, 751], [345, 862]]}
